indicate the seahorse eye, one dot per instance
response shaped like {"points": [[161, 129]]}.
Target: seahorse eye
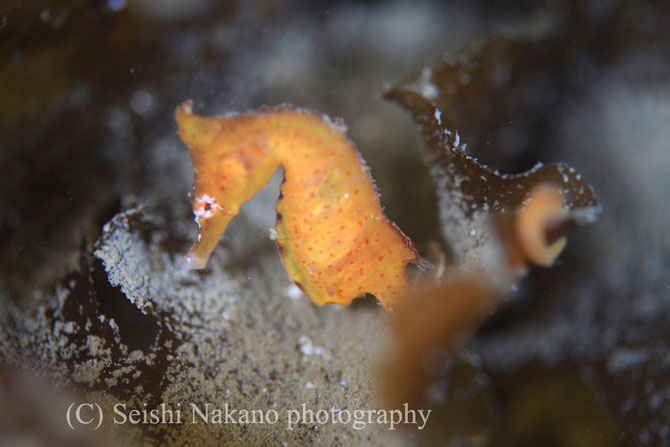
{"points": [[205, 207]]}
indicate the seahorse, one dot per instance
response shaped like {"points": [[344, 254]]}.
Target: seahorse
{"points": [[335, 241]]}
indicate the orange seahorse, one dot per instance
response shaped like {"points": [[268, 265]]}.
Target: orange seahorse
{"points": [[336, 242]]}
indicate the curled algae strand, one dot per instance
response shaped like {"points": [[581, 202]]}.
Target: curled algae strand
{"points": [[335, 241]]}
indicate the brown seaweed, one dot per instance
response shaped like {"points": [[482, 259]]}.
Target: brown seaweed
{"points": [[497, 225], [441, 102]]}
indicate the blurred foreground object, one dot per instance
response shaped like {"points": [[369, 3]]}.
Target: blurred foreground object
{"points": [[496, 225]]}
